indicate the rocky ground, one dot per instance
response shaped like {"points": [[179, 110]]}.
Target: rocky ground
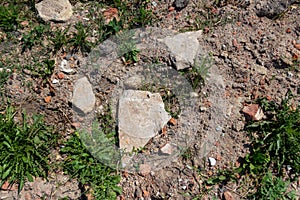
{"points": [[255, 48]]}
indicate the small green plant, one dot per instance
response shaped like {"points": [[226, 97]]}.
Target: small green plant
{"points": [[223, 177], [143, 15], [273, 188], [79, 38], [59, 39], [108, 124], [199, 72], [113, 27], [276, 141], [24, 148], [88, 170], [127, 46], [43, 70], [34, 37], [134, 14], [9, 17]]}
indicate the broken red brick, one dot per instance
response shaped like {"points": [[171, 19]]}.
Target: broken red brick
{"points": [[253, 111]]}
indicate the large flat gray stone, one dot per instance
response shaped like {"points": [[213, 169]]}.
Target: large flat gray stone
{"points": [[141, 115], [55, 10], [83, 95]]}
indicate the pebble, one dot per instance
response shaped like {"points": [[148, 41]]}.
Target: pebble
{"points": [[83, 96], [290, 74], [166, 149], [238, 126], [203, 109], [228, 196], [145, 169], [47, 99], [180, 4], [138, 193], [60, 75], [63, 67], [212, 161], [194, 94], [253, 111], [154, 4], [55, 81]]}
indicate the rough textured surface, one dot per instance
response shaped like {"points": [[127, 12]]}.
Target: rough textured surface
{"points": [[184, 48], [57, 187], [272, 8], [83, 96], [54, 10], [141, 115]]}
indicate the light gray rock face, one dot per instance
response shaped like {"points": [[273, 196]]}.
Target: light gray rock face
{"points": [[83, 96], [55, 10], [141, 115], [184, 48]]}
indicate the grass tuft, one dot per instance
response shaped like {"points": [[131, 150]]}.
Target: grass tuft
{"points": [[24, 148]]}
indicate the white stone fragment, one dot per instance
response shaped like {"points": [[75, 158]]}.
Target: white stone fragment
{"points": [[212, 161]]}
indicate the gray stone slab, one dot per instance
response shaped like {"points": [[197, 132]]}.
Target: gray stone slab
{"points": [[141, 115]]}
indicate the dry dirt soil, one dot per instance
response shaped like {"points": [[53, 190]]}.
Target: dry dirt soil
{"points": [[254, 50]]}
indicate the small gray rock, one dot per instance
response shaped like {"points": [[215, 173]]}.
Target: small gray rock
{"points": [[180, 4], [83, 96], [184, 48], [55, 10], [166, 149], [272, 8]]}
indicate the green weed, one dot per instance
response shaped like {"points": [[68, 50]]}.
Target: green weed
{"points": [[79, 39], [43, 70], [9, 17], [4, 74], [273, 188], [81, 164], [276, 141], [134, 14], [127, 46], [24, 148], [34, 37], [59, 39], [222, 177], [199, 72]]}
